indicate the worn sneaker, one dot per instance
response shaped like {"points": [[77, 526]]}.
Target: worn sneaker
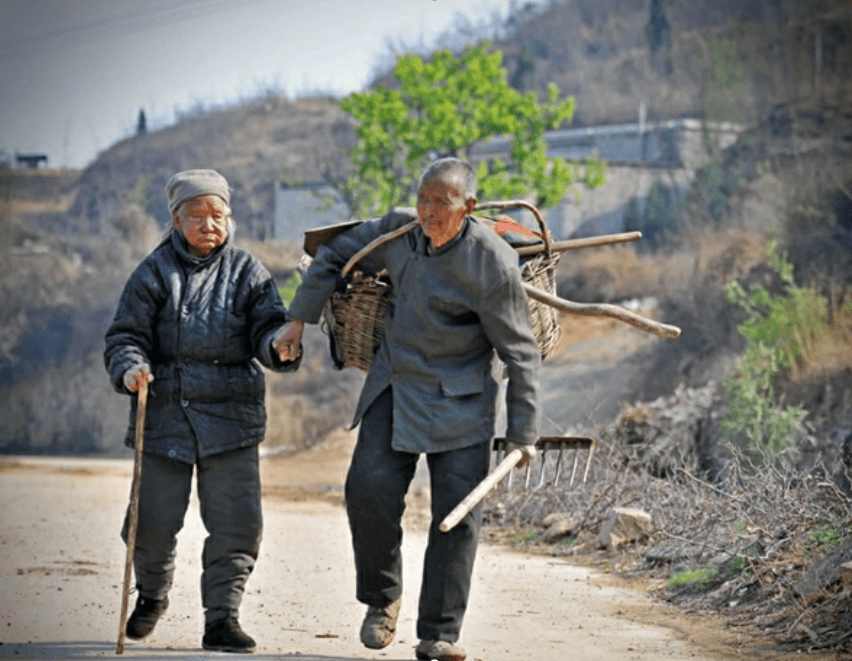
{"points": [[379, 625], [144, 617], [439, 650], [225, 635]]}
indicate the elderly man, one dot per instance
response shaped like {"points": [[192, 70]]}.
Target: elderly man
{"points": [[196, 319], [456, 301]]}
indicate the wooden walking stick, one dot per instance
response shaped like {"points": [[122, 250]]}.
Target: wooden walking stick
{"points": [[133, 512]]}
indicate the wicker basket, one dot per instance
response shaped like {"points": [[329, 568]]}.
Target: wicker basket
{"points": [[355, 314], [356, 320]]}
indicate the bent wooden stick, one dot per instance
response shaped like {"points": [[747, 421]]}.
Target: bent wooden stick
{"points": [[481, 490], [603, 310], [133, 513]]}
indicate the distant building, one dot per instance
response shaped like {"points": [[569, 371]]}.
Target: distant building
{"points": [[636, 155], [300, 207], [30, 160]]}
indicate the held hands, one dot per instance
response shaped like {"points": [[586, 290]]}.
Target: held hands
{"points": [[288, 340], [136, 376]]}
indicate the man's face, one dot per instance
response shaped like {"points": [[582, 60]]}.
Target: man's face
{"points": [[441, 208], [204, 223]]}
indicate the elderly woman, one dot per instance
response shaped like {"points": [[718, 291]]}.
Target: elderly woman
{"points": [[196, 320]]}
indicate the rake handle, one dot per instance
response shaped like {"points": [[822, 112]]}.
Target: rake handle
{"points": [[481, 490], [133, 514]]}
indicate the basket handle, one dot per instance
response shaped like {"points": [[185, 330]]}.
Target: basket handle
{"points": [[375, 243], [545, 234], [390, 236]]}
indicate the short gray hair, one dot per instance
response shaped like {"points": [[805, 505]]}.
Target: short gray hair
{"points": [[453, 171]]}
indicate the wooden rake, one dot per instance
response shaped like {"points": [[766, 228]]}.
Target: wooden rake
{"points": [[545, 446]]}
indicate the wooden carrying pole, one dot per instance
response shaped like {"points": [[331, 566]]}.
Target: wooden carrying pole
{"points": [[133, 512], [577, 244], [481, 490]]}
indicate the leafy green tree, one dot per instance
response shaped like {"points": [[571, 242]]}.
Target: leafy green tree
{"points": [[443, 108]]}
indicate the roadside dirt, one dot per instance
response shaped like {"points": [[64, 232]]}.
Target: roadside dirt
{"points": [[62, 567]]}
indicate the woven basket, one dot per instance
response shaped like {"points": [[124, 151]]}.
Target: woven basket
{"points": [[355, 314], [356, 320]]}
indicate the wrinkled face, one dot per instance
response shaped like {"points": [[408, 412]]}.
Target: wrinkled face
{"points": [[203, 221], [441, 209]]}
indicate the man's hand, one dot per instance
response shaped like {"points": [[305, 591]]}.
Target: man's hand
{"points": [[528, 450], [288, 340], [136, 376]]}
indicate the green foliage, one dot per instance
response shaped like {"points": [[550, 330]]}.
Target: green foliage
{"points": [[777, 330], [288, 289], [657, 219], [632, 217], [140, 194], [699, 578], [826, 537], [443, 108], [658, 29], [785, 323], [524, 68], [726, 85], [528, 537]]}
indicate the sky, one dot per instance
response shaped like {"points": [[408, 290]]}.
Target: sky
{"points": [[74, 74]]}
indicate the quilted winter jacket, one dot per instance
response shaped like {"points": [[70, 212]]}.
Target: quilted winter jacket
{"points": [[204, 325]]}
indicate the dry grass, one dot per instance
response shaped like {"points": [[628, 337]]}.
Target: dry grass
{"points": [[754, 533]]}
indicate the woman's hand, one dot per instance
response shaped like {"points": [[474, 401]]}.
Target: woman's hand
{"points": [[287, 342], [136, 376]]}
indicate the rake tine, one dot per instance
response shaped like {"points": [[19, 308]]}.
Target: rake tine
{"points": [[574, 466], [589, 460], [545, 444], [541, 471], [558, 469]]}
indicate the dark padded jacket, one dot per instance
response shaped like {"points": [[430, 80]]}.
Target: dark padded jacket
{"points": [[204, 325]]}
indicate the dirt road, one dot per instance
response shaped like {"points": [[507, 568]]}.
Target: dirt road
{"points": [[62, 567]]}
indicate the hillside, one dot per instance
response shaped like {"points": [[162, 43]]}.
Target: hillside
{"points": [[74, 238]]}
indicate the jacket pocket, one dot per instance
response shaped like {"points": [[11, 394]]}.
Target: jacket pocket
{"points": [[462, 385], [461, 409]]}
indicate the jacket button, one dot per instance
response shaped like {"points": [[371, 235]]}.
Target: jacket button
{"points": [[184, 403], [395, 376], [172, 454]]}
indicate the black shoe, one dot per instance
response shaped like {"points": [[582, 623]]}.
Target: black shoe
{"points": [[144, 617], [227, 636]]}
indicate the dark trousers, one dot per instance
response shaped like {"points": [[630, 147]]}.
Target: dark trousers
{"points": [[230, 501], [378, 480]]}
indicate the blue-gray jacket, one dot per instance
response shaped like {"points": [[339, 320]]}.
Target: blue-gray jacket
{"points": [[203, 325], [449, 310]]}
